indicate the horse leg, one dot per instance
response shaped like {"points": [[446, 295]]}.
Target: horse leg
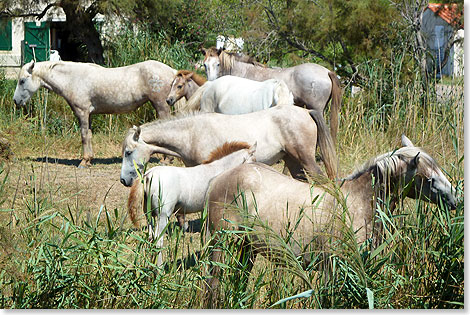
{"points": [[297, 171], [213, 283], [85, 123], [161, 225], [163, 111], [161, 107], [182, 223], [246, 261]]}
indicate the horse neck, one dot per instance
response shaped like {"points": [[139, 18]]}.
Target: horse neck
{"points": [[191, 89], [382, 190], [174, 135], [49, 77], [250, 71]]}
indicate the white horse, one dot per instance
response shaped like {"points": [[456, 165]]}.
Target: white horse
{"points": [[281, 132], [91, 89], [312, 85], [182, 189], [229, 94]]}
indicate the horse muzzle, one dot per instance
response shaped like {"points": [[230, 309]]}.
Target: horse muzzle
{"points": [[170, 101], [17, 103], [126, 183]]}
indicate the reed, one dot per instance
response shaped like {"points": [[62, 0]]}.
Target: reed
{"points": [[58, 251]]}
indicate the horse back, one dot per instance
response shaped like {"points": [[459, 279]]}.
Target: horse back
{"points": [[266, 194]]}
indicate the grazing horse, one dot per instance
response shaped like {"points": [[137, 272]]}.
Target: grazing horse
{"points": [[229, 94], [311, 84], [182, 189], [281, 132], [91, 89], [280, 201]]}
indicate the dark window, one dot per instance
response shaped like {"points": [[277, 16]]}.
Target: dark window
{"points": [[5, 34]]}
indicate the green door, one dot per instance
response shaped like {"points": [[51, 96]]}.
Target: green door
{"points": [[36, 37]]}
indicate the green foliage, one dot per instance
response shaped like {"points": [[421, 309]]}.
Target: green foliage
{"points": [[131, 46], [335, 33]]}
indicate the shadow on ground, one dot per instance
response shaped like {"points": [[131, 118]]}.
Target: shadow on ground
{"points": [[76, 162]]}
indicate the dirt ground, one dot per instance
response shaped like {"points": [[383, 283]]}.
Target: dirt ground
{"points": [[59, 185]]}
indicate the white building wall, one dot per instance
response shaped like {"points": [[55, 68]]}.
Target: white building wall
{"points": [[10, 60], [459, 55]]}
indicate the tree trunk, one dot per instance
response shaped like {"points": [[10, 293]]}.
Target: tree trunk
{"points": [[81, 26]]}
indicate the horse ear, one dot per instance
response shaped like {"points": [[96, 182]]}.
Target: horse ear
{"points": [[406, 142], [220, 50], [30, 66], [203, 51], [188, 76], [252, 149], [415, 161], [137, 134]]}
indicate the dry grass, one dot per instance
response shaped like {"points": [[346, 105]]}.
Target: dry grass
{"points": [[35, 190]]}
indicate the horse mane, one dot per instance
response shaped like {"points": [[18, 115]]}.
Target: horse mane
{"points": [[226, 149], [386, 164], [42, 67], [227, 58], [200, 80], [134, 201]]}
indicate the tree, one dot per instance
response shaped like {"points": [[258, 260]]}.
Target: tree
{"points": [[339, 33], [80, 15], [79, 20], [412, 13]]}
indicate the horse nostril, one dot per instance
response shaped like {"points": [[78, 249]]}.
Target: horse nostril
{"points": [[123, 182], [169, 101], [453, 205]]}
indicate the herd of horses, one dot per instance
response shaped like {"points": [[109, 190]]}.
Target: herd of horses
{"points": [[235, 126]]}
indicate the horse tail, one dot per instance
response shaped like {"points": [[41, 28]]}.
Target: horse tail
{"points": [[326, 144], [194, 102], [335, 98], [135, 201], [283, 95]]}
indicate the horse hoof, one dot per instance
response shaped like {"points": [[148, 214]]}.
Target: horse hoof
{"points": [[84, 165]]}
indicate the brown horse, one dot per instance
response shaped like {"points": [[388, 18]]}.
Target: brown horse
{"points": [[311, 84], [185, 84], [317, 212]]}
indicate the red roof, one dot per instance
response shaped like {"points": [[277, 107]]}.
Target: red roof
{"points": [[448, 12]]}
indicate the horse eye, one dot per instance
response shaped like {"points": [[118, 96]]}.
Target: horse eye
{"points": [[127, 153], [179, 86], [21, 81]]}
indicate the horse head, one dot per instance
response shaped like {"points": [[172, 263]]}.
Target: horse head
{"points": [[212, 62], [178, 87], [422, 177], [134, 150], [27, 84]]}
